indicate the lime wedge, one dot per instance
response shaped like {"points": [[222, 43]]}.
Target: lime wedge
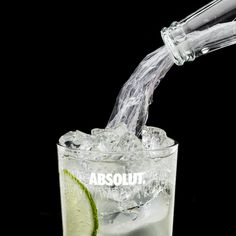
{"points": [[79, 211]]}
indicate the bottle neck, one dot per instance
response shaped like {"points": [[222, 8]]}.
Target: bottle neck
{"points": [[186, 47], [174, 38], [208, 29]]}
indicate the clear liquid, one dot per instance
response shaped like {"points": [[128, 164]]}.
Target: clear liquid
{"points": [[135, 96], [145, 209], [133, 101], [153, 219]]}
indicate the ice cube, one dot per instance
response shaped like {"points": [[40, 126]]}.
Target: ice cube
{"points": [[105, 139], [97, 131], [108, 139], [78, 140], [128, 143], [120, 129], [66, 139], [106, 206], [145, 220], [155, 138], [168, 142], [152, 137]]}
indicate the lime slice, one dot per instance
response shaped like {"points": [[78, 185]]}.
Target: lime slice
{"points": [[79, 211]]}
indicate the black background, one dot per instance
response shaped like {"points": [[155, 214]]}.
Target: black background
{"points": [[89, 52]]}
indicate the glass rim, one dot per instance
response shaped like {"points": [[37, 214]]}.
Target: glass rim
{"points": [[160, 150]]}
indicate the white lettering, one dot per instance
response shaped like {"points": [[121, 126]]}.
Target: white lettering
{"points": [[125, 182], [132, 180], [109, 180], [116, 179], [140, 177], [101, 179], [93, 180]]}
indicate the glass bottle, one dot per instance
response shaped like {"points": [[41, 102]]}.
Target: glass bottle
{"points": [[210, 28]]}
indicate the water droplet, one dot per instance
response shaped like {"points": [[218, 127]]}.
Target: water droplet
{"points": [[205, 50]]}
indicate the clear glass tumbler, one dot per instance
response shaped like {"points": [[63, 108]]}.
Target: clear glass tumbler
{"points": [[108, 194]]}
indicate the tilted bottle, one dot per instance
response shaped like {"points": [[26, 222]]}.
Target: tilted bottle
{"points": [[210, 28]]}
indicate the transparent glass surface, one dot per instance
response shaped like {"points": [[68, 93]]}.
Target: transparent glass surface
{"points": [[210, 28], [142, 205]]}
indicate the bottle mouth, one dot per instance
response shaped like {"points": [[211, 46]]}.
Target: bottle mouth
{"points": [[171, 48], [175, 40]]}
